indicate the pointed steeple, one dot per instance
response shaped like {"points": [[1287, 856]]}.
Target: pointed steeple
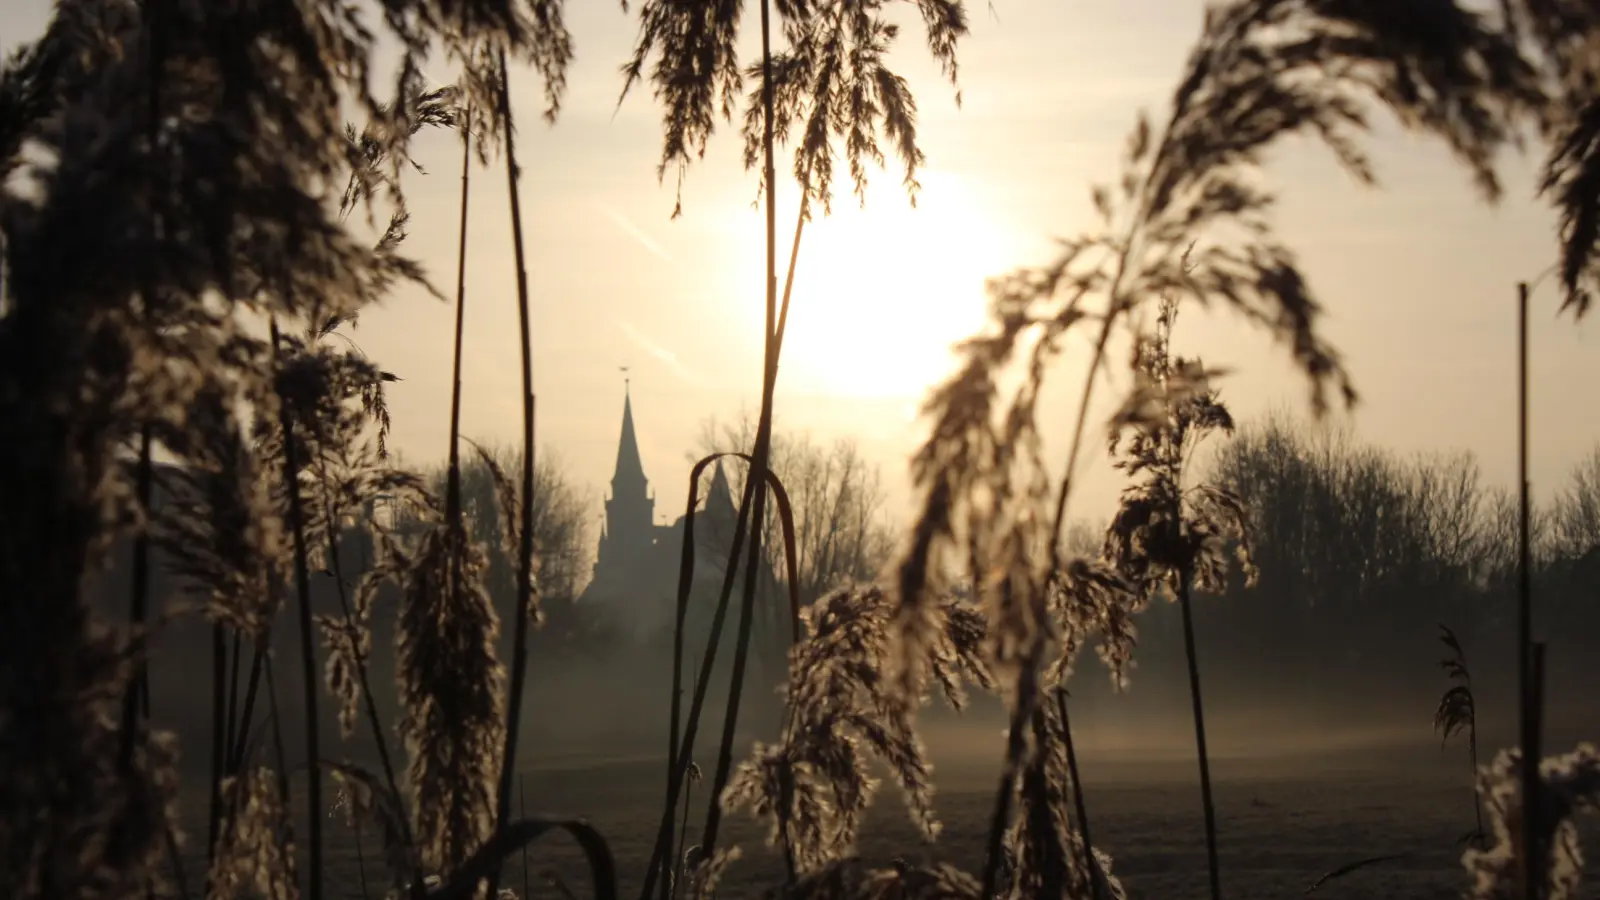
{"points": [[628, 477], [630, 510], [719, 499]]}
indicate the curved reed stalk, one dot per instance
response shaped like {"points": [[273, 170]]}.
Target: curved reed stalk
{"points": [[760, 457], [681, 751]]}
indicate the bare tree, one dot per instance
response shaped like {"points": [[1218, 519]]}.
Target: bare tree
{"points": [[1571, 547], [1575, 515], [842, 533], [561, 526], [1353, 535]]}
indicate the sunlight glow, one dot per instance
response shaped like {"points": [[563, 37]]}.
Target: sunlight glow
{"points": [[882, 292]]}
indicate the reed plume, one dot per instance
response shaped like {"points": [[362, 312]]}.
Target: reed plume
{"points": [[814, 785], [1044, 854], [255, 851], [1188, 216], [452, 687], [1559, 36], [697, 77], [1568, 785], [1458, 712]]}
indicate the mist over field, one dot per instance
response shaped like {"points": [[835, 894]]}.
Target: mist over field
{"points": [[1336, 648], [614, 703]]}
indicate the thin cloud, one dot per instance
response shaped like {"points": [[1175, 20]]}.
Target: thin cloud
{"points": [[661, 353], [634, 231]]}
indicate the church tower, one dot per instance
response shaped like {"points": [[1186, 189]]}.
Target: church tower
{"points": [[635, 579], [628, 537]]}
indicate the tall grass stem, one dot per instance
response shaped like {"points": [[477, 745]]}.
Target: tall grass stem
{"points": [[519, 647], [308, 647], [1527, 703], [1212, 866], [760, 454]]}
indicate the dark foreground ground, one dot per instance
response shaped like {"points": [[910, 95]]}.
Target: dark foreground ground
{"points": [[1284, 821]]}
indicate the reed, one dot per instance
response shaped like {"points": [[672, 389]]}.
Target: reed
{"points": [[1457, 713]]}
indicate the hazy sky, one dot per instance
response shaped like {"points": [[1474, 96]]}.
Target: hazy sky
{"points": [[1418, 277]]}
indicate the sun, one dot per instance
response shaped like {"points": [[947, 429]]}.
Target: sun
{"points": [[882, 292]]}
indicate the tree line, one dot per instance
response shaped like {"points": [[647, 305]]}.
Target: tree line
{"points": [[1362, 552]]}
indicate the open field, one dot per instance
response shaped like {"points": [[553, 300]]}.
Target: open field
{"points": [[1284, 821]]}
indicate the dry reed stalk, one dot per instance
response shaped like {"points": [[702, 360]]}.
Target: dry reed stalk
{"points": [[1527, 702], [1260, 72], [679, 870], [219, 671], [210, 527], [256, 849], [361, 862], [136, 699], [1213, 868], [453, 694], [679, 32], [1080, 805], [1171, 536], [760, 456], [1016, 746], [1042, 846], [681, 754], [280, 754], [452, 494], [138, 599], [236, 751], [526, 602], [753, 567], [258, 93], [308, 650], [235, 654], [522, 811], [349, 652], [1536, 861]]}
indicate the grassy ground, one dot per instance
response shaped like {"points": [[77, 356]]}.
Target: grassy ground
{"points": [[1284, 821]]}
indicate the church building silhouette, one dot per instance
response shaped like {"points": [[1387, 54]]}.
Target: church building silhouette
{"points": [[635, 578]]}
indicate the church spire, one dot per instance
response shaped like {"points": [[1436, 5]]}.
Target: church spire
{"points": [[629, 474], [719, 499]]}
